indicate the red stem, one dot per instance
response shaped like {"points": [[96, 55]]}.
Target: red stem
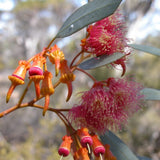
{"points": [[51, 42], [75, 58], [87, 74], [30, 104]]}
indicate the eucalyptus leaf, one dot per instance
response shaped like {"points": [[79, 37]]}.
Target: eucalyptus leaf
{"points": [[147, 49], [143, 158], [87, 14], [151, 94], [118, 147], [100, 61]]}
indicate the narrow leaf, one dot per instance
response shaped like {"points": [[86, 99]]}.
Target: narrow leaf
{"points": [[100, 61], [148, 49], [151, 94], [118, 148], [87, 14], [143, 158]]}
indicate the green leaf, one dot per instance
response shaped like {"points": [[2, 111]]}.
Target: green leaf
{"points": [[148, 49], [87, 14], [118, 148], [143, 158], [151, 94], [100, 61]]}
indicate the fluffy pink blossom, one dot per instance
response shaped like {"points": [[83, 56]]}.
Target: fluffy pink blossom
{"points": [[107, 105], [106, 37]]}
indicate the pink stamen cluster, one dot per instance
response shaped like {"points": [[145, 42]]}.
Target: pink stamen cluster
{"points": [[107, 105], [107, 36]]}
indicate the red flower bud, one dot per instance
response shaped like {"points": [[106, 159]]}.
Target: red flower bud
{"points": [[98, 148], [67, 77], [81, 154], [65, 146], [37, 66], [55, 57], [47, 89], [18, 76], [85, 138], [36, 72]]}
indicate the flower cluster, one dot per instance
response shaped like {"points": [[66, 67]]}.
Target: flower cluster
{"points": [[82, 144], [37, 70], [107, 37], [107, 105]]}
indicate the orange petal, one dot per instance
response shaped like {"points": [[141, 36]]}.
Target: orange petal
{"points": [[37, 88], [12, 87], [57, 65], [123, 67], [47, 97], [69, 85]]}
